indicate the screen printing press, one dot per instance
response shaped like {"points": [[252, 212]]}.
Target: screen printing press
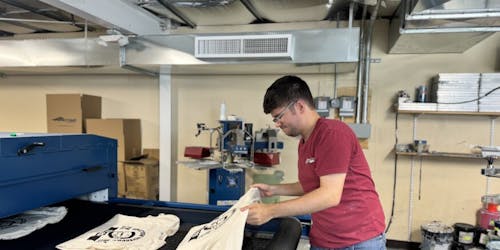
{"points": [[78, 171]]}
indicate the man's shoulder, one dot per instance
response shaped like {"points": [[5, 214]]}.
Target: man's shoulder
{"points": [[336, 128], [333, 124]]}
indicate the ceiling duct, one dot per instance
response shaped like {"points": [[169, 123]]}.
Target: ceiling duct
{"points": [[244, 46], [292, 10], [446, 26], [317, 46], [195, 13], [205, 12], [56, 53], [302, 48]]}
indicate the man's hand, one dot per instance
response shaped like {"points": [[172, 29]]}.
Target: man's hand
{"points": [[258, 213]]}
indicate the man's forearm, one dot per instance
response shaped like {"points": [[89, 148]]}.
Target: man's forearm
{"points": [[314, 201], [289, 189]]}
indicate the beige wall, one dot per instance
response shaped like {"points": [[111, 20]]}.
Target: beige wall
{"points": [[23, 107], [448, 190]]}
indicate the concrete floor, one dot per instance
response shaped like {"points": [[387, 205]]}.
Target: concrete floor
{"points": [[304, 245]]}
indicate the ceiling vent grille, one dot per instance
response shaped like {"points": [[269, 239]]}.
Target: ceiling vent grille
{"points": [[244, 46]]}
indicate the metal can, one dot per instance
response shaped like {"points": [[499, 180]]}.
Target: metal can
{"points": [[422, 95]]}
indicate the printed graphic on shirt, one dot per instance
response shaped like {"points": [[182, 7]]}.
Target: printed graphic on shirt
{"points": [[25, 223], [224, 232], [213, 225], [310, 160], [127, 233], [9, 222], [121, 234]]}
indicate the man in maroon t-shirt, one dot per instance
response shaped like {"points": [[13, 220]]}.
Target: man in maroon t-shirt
{"points": [[335, 185]]}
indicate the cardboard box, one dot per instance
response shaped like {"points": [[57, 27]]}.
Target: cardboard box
{"points": [[66, 113], [142, 179], [126, 131], [152, 153], [122, 187]]}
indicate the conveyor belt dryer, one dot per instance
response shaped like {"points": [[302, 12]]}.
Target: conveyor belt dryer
{"points": [[41, 169], [51, 169]]}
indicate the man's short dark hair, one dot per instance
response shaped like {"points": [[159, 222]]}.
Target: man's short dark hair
{"points": [[285, 90]]}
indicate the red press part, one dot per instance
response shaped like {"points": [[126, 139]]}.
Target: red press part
{"points": [[196, 152], [266, 159]]}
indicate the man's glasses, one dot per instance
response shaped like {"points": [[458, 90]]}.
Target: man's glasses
{"points": [[277, 118]]}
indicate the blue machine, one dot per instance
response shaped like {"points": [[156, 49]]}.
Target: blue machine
{"points": [[225, 187], [53, 169], [42, 169], [238, 147]]}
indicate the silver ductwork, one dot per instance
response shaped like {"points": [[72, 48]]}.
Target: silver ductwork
{"points": [[446, 26], [305, 47], [237, 12], [309, 46], [57, 53]]}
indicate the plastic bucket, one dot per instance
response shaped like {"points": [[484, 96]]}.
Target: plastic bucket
{"points": [[436, 235]]}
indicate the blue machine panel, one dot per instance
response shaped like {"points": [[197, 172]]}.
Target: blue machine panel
{"points": [[42, 169], [225, 188]]}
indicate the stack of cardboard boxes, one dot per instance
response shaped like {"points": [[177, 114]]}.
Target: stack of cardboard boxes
{"points": [[79, 113], [66, 113], [141, 177], [128, 134]]}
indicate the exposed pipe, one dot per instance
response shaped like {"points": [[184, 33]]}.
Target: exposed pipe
{"points": [[492, 143], [448, 30], [86, 43], [33, 9], [335, 64], [461, 15], [412, 164], [410, 200], [367, 61], [351, 17], [45, 13], [37, 21], [176, 12], [360, 64], [252, 10], [351, 14]]}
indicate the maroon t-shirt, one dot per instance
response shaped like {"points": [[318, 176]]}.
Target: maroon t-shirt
{"points": [[333, 148]]}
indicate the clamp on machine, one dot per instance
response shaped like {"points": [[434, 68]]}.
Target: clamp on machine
{"points": [[237, 148], [490, 154]]}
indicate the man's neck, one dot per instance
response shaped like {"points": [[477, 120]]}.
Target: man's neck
{"points": [[309, 125]]}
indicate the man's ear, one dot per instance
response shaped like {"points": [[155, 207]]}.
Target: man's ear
{"points": [[300, 106]]}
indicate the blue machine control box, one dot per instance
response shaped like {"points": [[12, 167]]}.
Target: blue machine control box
{"points": [[225, 188], [42, 169]]}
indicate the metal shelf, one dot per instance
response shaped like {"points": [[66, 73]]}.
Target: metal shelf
{"points": [[440, 154], [415, 113], [448, 112]]}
